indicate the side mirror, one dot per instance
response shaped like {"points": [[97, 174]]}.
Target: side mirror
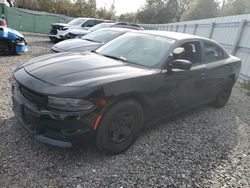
{"points": [[180, 64]]}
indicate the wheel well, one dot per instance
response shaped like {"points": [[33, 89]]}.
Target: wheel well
{"points": [[233, 78], [139, 99]]}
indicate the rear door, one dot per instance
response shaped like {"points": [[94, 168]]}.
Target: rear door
{"points": [[217, 72]]}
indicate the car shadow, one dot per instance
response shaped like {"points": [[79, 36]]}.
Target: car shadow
{"points": [[179, 151]]}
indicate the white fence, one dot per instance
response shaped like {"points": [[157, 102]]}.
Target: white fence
{"points": [[233, 32]]}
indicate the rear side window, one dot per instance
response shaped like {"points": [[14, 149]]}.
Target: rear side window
{"points": [[98, 21], [89, 23], [213, 53]]}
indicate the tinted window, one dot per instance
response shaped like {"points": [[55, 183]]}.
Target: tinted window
{"points": [[141, 49], [212, 52], [98, 21], [89, 23]]}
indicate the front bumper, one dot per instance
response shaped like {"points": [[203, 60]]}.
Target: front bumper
{"points": [[62, 129], [21, 48], [60, 35]]}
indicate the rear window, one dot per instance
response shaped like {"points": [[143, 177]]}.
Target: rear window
{"points": [[77, 21]]}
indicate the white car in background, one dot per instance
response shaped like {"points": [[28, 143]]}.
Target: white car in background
{"points": [[58, 30], [9, 3]]}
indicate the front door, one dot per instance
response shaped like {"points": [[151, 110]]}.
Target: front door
{"points": [[179, 90]]}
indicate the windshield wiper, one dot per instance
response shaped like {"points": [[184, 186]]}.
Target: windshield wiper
{"points": [[90, 40], [116, 58]]}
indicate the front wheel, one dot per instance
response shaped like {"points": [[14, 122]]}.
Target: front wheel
{"points": [[6, 47], [119, 127]]}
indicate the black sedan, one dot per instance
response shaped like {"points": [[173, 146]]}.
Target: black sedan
{"points": [[111, 94], [90, 41]]}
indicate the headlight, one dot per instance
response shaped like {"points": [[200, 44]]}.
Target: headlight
{"points": [[67, 104], [21, 42]]}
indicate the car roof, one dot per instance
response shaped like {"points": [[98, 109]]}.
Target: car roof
{"points": [[172, 35], [115, 29], [86, 18]]}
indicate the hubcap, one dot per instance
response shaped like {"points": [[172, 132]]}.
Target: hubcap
{"points": [[122, 127]]}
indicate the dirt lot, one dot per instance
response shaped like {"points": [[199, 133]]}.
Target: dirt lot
{"points": [[204, 148]]}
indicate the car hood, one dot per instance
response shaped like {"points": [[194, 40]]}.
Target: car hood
{"points": [[81, 69], [7, 31], [60, 24], [75, 45]]}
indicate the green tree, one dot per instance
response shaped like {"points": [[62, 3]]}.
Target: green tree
{"points": [[236, 7], [183, 6], [201, 9], [158, 11], [129, 17], [105, 14]]}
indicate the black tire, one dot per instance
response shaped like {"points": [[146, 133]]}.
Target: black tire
{"points": [[54, 40], [6, 47], [120, 126], [224, 95]]}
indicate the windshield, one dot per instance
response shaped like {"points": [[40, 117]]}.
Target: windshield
{"points": [[102, 36], [77, 21], [99, 26], [141, 49]]}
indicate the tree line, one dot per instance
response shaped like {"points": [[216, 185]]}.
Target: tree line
{"points": [[153, 11]]}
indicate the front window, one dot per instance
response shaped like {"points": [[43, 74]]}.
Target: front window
{"points": [[192, 52], [77, 21], [142, 49], [102, 36]]}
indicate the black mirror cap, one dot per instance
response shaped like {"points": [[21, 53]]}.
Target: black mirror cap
{"points": [[181, 64]]}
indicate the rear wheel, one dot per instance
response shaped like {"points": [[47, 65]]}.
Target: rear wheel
{"points": [[120, 127], [224, 95], [6, 47]]}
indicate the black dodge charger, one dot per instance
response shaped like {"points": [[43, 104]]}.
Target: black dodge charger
{"points": [[111, 94]]}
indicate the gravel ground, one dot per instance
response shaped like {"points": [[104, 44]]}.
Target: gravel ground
{"points": [[204, 148]]}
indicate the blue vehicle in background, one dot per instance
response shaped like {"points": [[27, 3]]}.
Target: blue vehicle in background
{"points": [[11, 42]]}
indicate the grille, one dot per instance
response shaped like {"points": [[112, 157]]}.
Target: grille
{"points": [[33, 96]]}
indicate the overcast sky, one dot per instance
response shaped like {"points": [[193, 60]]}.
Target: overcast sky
{"points": [[121, 6]]}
